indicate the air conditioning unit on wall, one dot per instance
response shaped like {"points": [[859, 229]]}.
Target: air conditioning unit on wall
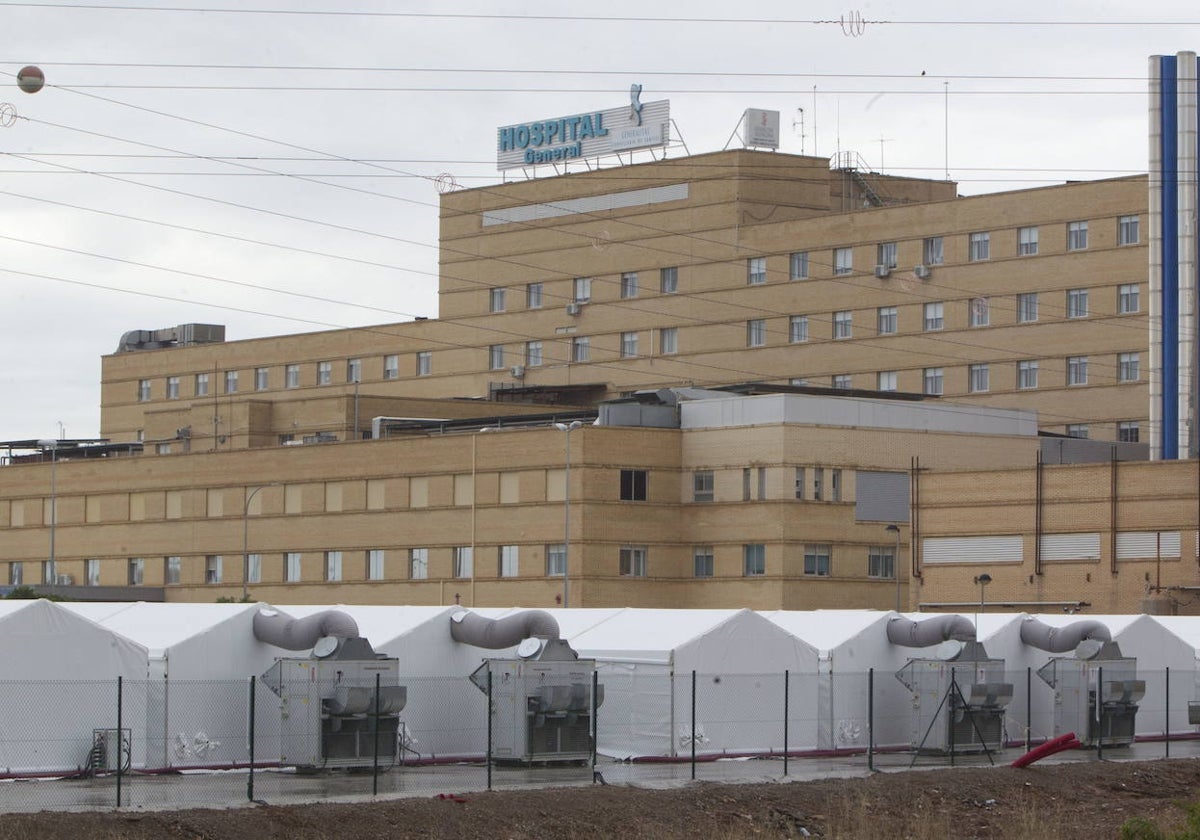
{"points": [[882, 271], [518, 371], [574, 308], [921, 272]]}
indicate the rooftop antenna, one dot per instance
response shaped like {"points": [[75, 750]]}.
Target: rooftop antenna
{"points": [[882, 140], [946, 122], [799, 121], [814, 120]]}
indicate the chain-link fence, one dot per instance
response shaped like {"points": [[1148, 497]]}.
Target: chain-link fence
{"points": [[89, 745]]}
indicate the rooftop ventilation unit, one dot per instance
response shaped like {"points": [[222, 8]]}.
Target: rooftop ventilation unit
{"points": [[882, 271], [921, 272]]}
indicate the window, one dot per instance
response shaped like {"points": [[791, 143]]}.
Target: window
{"points": [[1027, 307], [934, 316], [629, 284], [799, 482], [162, 448], [391, 367], [16, 574], [816, 559], [375, 564], [754, 481], [581, 349], [1077, 430], [496, 300], [885, 254], [261, 378], [464, 561], [668, 340], [533, 353], [333, 565], [756, 271], [798, 266], [885, 319], [798, 381], [633, 561], [582, 289], [1127, 367], [201, 384], [91, 572], [843, 260], [533, 295], [1127, 230], [977, 378], [932, 252], [291, 567], [1127, 298], [885, 380], [172, 387], [1077, 303], [842, 326], [354, 370], [1077, 370], [818, 484], [702, 561], [495, 356], [798, 329], [933, 381], [171, 569], [841, 380], [980, 312], [253, 568], [212, 568], [424, 363], [231, 381], [1027, 373], [324, 373], [633, 485], [418, 564], [291, 376], [509, 561], [754, 560], [702, 486], [629, 345], [556, 560], [136, 571], [756, 333], [835, 485], [668, 280], [881, 561], [1076, 236], [1027, 241], [1127, 431], [979, 246], [143, 391]]}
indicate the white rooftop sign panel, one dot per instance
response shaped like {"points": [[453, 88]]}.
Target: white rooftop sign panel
{"points": [[579, 136]]}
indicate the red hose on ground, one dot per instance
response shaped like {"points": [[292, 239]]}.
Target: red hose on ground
{"points": [[1054, 745]]}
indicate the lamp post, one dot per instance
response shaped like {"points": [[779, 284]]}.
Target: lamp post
{"points": [[52, 445], [567, 428], [983, 580], [246, 537], [895, 529]]}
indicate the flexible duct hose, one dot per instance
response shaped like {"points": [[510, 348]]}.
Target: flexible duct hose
{"points": [[930, 632], [1040, 635], [280, 629], [497, 633]]}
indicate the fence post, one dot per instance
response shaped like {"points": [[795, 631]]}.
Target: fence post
{"points": [[489, 730], [250, 780], [120, 736], [375, 760], [1167, 711], [693, 738], [951, 701], [871, 719], [1096, 721], [1028, 708], [785, 722], [595, 726]]}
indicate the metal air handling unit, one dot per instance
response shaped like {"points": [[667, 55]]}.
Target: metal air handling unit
{"points": [[1096, 690], [958, 694], [542, 708], [329, 705]]}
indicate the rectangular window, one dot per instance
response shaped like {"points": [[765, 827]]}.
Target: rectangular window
{"points": [[1127, 230], [756, 333], [534, 293], [885, 319], [91, 572], [464, 561], [213, 572], [843, 260], [881, 562], [977, 378], [1127, 367], [201, 384], [172, 387], [171, 569], [933, 381], [1127, 298], [261, 378], [1027, 307], [324, 373], [668, 340], [979, 246], [747, 474], [391, 367], [633, 485], [934, 316], [702, 561], [424, 363], [1127, 431], [143, 391], [1027, 241], [291, 376], [668, 280], [1077, 303], [841, 380], [702, 486], [629, 284], [1077, 430], [231, 381], [818, 485], [885, 380], [418, 564], [1077, 236], [253, 568], [509, 561], [353, 370], [1027, 374], [835, 485], [556, 560], [842, 326], [633, 561], [885, 254], [799, 483], [496, 300], [980, 312], [932, 251], [333, 565], [533, 353], [495, 356], [816, 559], [136, 571], [1077, 370], [581, 289], [581, 349], [798, 329], [754, 560], [376, 558], [291, 567], [756, 271], [798, 266], [629, 345], [16, 574]]}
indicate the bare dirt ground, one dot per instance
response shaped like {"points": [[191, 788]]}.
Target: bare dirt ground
{"points": [[1065, 801]]}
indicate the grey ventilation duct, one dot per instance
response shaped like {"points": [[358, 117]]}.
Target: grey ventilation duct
{"points": [[930, 632], [498, 633], [1040, 635], [280, 629]]}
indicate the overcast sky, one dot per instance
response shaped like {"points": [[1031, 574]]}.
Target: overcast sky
{"points": [[231, 162]]}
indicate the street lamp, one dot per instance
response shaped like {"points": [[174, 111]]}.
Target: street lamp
{"points": [[51, 573], [983, 580], [567, 428], [895, 529], [246, 537]]}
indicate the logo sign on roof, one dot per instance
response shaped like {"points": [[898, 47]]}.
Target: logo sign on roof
{"points": [[760, 129], [637, 125]]}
